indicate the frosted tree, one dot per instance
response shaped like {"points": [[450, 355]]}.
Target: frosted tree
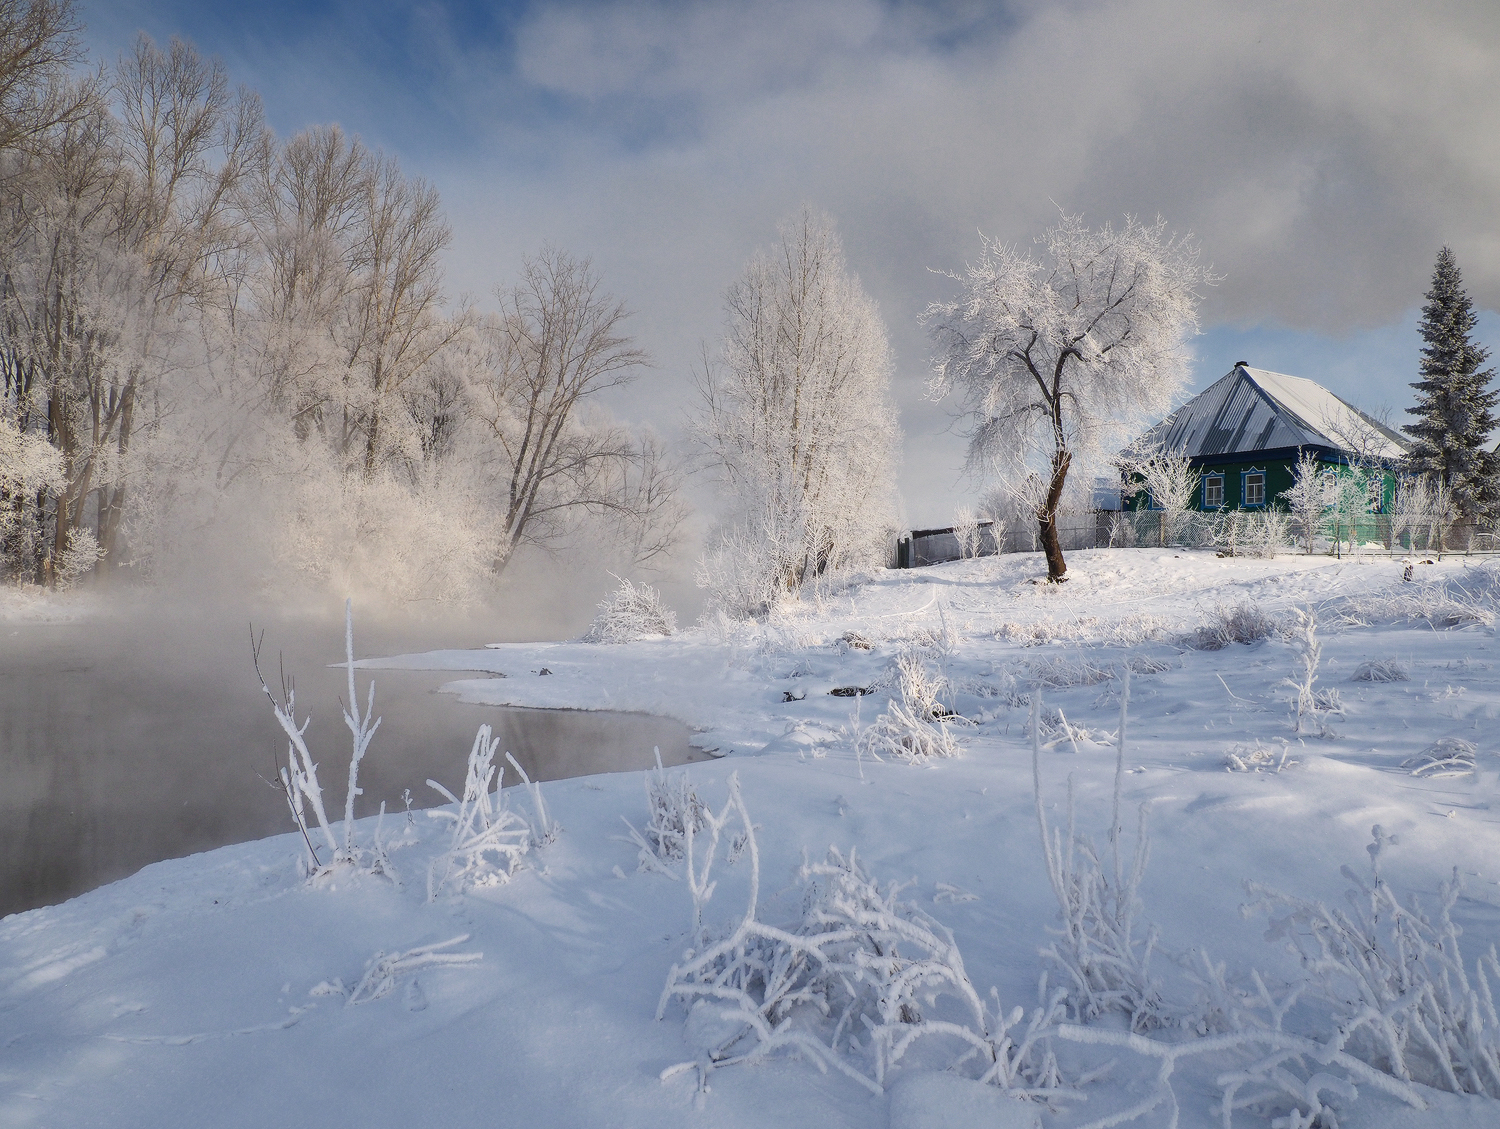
{"points": [[1171, 482], [1455, 403], [1312, 492], [797, 417], [966, 532], [1058, 358]]}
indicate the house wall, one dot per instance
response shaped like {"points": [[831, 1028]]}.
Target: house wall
{"points": [[1280, 472]]}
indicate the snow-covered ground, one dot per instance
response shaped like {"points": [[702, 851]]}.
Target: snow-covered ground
{"points": [[224, 989]]}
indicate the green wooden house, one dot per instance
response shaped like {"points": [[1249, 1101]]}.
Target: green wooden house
{"points": [[1243, 434]]}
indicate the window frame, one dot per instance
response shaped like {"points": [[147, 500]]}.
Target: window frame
{"points": [[1245, 502], [1218, 478]]}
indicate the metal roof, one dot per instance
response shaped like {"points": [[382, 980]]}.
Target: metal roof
{"points": [[1252, 410]]}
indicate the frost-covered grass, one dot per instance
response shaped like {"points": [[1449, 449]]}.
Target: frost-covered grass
{"points": [[203, 978]]}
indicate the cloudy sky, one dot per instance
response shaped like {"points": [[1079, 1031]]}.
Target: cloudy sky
{"points": [[1321, 152]]}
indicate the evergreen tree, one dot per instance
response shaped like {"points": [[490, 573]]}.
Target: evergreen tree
{"points": [[1455, 402]]}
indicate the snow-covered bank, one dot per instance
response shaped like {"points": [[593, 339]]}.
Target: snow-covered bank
{"points": [[207, 989]]}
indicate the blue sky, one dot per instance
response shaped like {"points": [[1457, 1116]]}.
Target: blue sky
{"points": [[1321, 152]]}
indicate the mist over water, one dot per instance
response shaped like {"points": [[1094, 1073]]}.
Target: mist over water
{"points": [[138, 731]]}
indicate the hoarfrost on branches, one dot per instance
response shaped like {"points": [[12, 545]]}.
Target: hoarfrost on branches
{"points": [[629, 612], [488, 839], [797, 418], [862, 980], [1061, 358]]}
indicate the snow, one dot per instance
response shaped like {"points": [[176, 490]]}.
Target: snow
{"points": [[221, 988]]}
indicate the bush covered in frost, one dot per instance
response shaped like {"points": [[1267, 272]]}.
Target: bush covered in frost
{"points": [[862, 980], [1380, 670], [630, 612], [1240, 623], [916, 726], [674, 813]]}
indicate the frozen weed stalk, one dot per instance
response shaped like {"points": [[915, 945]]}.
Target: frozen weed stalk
{"points": [[299, 778], [675, 811], [1314, 708], [916, 726], [1107, 966], [488, 839], [860, 982]]}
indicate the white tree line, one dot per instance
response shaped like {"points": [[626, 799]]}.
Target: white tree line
{"points": [[203, 326]]}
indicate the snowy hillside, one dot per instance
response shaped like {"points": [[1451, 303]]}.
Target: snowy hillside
{"points": [[1278, 712]]}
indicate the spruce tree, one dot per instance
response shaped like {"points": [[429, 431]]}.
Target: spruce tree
{"points": [[1454, 402]]}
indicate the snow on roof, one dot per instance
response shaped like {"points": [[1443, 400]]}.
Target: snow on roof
{"points": [[1251, 410]]}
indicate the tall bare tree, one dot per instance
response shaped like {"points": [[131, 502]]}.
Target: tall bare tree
{"points": [[39, 45], [397, 326], [556, 345]]}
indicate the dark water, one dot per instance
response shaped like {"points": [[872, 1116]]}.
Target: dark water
{"points": [[137, 739]]}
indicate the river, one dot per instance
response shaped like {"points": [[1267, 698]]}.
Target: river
{"points": [[126, 738]]}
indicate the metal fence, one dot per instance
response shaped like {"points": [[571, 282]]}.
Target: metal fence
{"points": [[1259, 533]]}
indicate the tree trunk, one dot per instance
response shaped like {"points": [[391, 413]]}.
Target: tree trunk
{"points": [[1057, 568], [112, 502]]}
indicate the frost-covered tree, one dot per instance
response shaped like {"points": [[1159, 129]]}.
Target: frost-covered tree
{"points": [[797, 417], [1171, 483], [1313, 491], [1059, 357], [1455, 404]]}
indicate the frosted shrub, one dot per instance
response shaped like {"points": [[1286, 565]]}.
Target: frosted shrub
{"points": [[1269, 532], [1257, 758], [674, 811], [916, 726], [737, 582], [78, 559], [395, 538], [1061, 672], [1438, 605], [488, 839], [1241, 623], [1172, 484], [862, 980], [1447, 756], [630, 612], [1106, 963], [1394, 979], [1380, 670], [966, 531]]}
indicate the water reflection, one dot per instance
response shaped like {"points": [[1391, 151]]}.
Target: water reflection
{"points": [[118, 750]]}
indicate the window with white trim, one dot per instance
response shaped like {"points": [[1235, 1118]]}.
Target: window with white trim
{"points": [[1253, 487], [1213, 491]]}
